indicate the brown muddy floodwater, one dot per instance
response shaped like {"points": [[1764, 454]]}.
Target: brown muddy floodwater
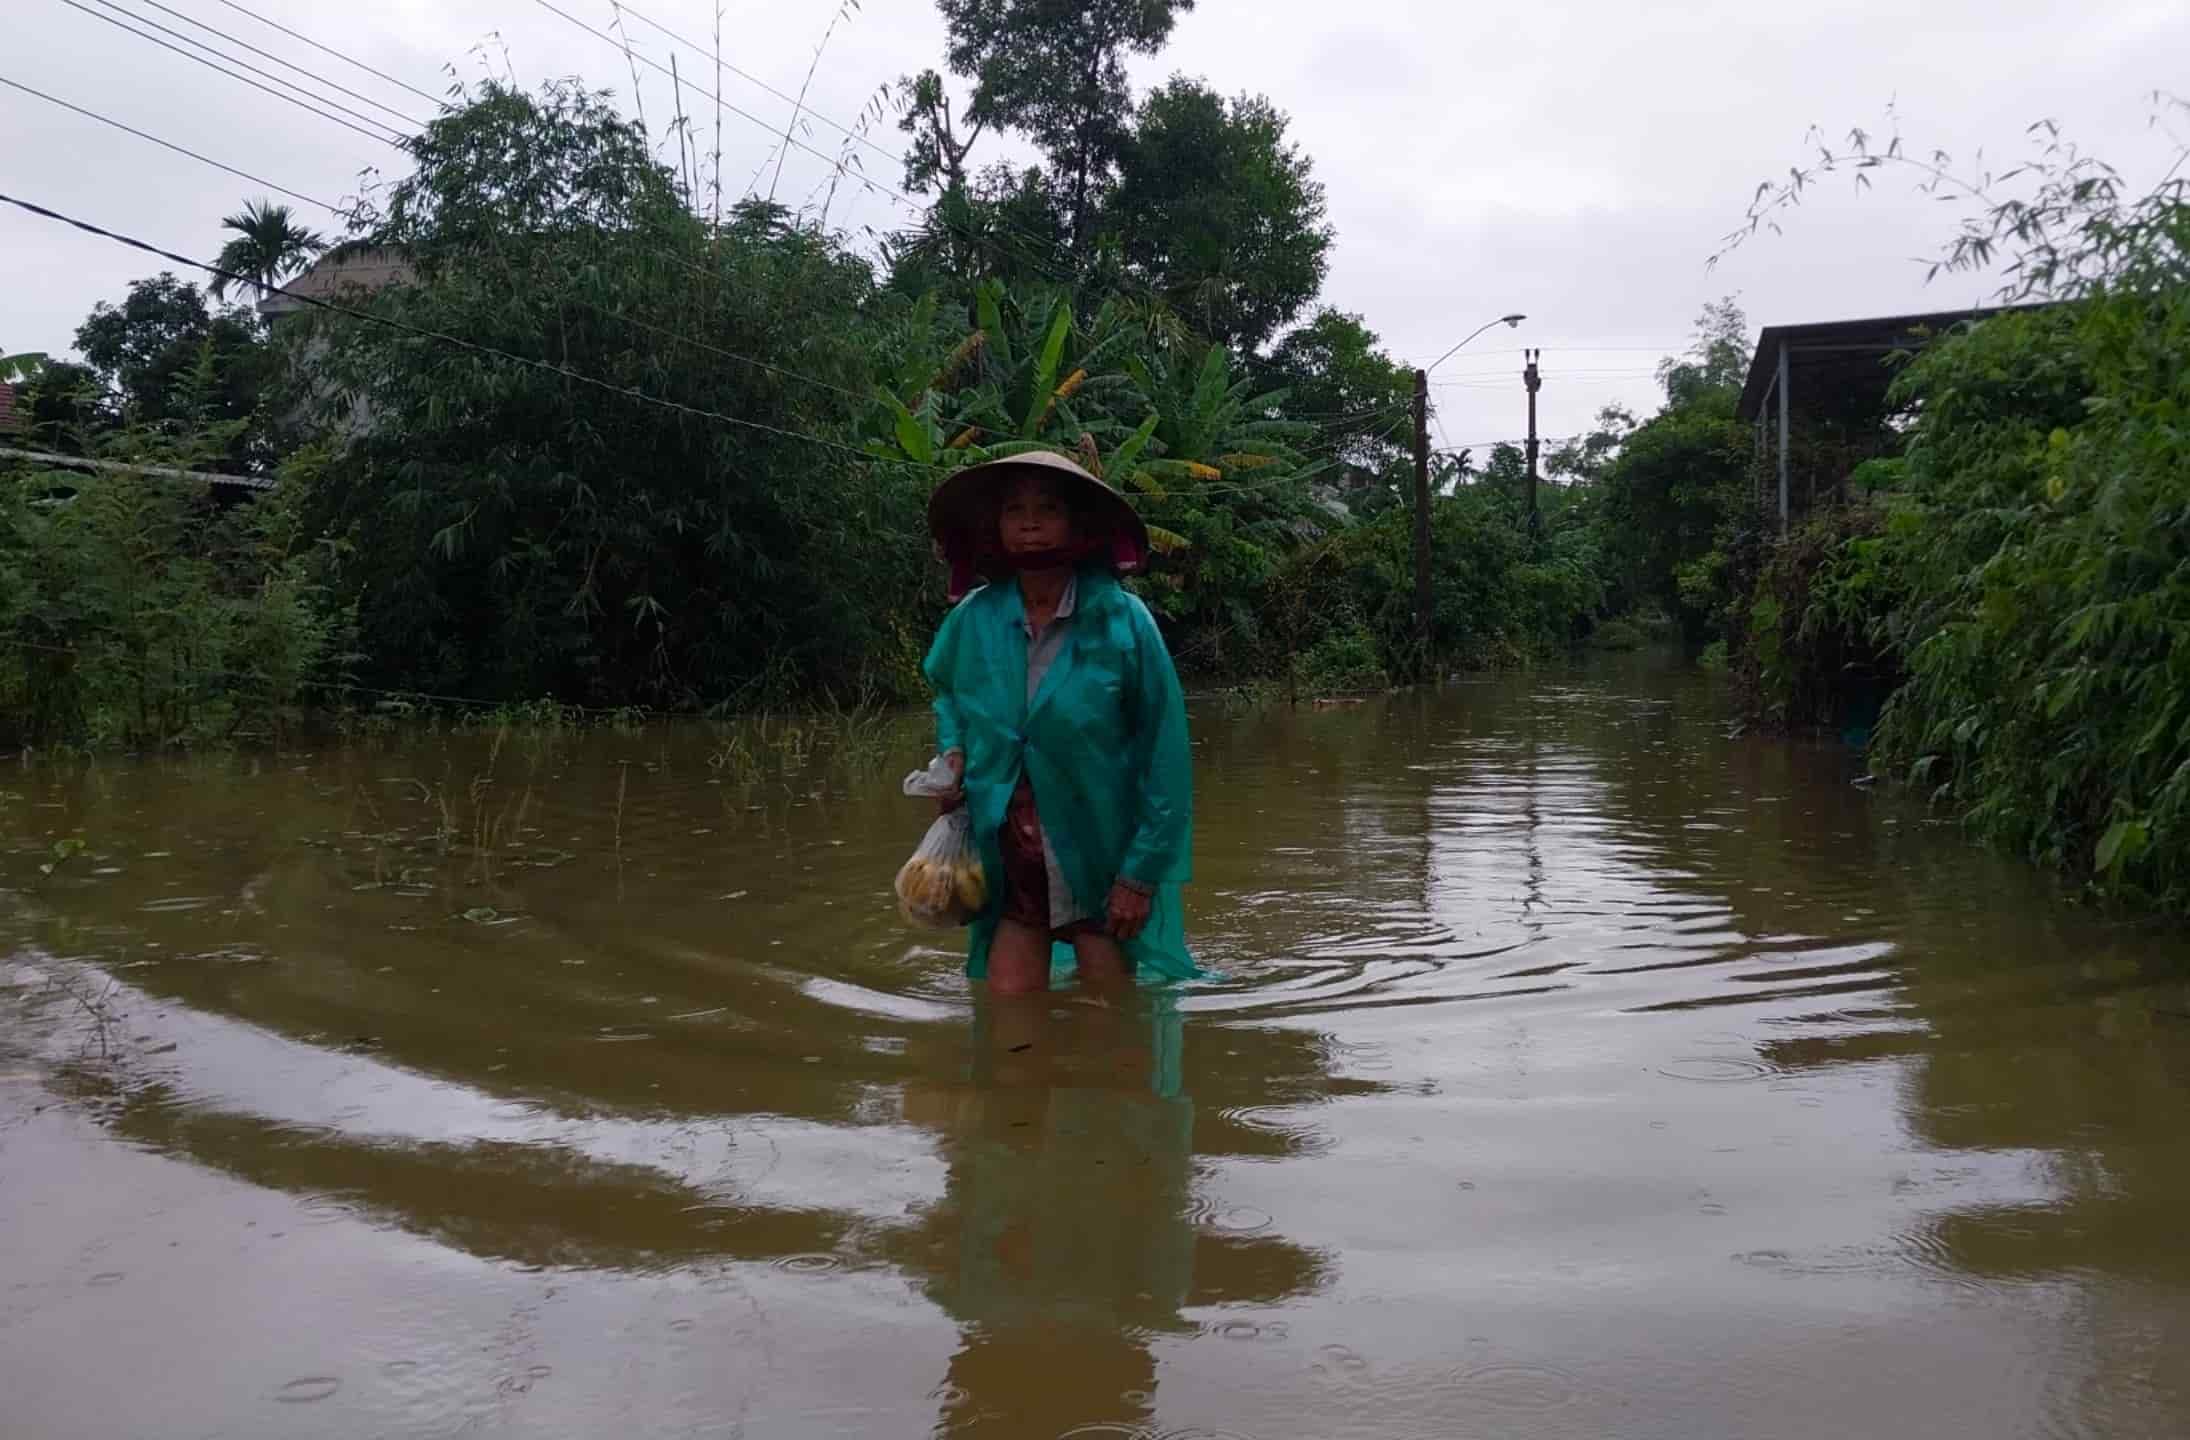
{"points": [[1574, 1070]]}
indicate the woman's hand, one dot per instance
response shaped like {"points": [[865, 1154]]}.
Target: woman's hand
{"points": [[1128, 911], [944, 804]]}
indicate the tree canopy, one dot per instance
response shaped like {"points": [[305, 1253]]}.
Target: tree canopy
{"points": [[1219, 213], [1054, 70]]}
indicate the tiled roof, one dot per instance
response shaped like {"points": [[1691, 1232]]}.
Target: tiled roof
{"points": [[358, 271]]}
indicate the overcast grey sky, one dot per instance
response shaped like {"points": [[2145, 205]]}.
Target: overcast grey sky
{"points": [[1576, 161]]}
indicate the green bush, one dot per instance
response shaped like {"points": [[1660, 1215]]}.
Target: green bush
{"points": [[2043, 566], [1617, 634], [140, 610], [1346, 660]]}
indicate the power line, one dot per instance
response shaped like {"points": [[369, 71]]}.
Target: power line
{"points": [[559, 371], [340, 211], [345, 59], [247, 65], [597, 309], [788, 99], [840, 166], [178, 149], [1578, 349], [1560, 370], [278, 95], [278, 60]]}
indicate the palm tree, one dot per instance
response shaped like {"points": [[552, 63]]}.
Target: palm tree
{"points": [[268, 248]]}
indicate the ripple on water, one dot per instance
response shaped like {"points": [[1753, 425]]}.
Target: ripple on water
{"points": [[1519, 1387], [325, 1209], [813, 1264], [307, 1390], [1248, 1330], [1920, 1256], [1231, 1219], [1280, 1122], [1718, 1069], [178, 902], [1343, 1358]]}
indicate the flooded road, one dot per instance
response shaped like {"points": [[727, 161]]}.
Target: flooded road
{"points": [[1573, 1071]]}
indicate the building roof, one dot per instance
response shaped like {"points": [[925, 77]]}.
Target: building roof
{"points": [[354, 270], [1847, 355]]}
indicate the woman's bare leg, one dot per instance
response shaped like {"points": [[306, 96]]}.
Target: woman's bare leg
{"points": [[1103, 965], [1018, 959]]}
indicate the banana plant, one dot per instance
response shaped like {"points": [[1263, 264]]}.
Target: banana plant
{"points": [[25, 367], [1212, 428], [1028, 377]]}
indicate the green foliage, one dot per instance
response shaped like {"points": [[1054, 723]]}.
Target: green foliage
{"points": [[1618, 633], [142, 349], [2044, 586], [1055, 72], [67, 407], [937, 155], [1196, 202], [680, 463], [1344, 660], [506, 532], [1666, 503], [268, 248], [25, 367], [139, 610], [2026, 560], [1218, 213], [1337, 374], [1495, 599], [1002, 224], [1718, 359]]}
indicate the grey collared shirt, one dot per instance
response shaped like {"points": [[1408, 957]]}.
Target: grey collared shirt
{"points": [[1043, 648], [1044, 645]]}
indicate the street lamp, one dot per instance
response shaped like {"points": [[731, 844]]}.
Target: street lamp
{"points": [[1512, 320], [1422, 485]]}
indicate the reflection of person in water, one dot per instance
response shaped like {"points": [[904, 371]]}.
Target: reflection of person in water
{"points": [[1065, 1241]]}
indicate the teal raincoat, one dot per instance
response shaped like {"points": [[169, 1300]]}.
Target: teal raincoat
{"points": [[1104, 743]]}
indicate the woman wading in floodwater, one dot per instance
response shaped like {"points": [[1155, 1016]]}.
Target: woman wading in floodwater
{"points": [[1057, 704]]}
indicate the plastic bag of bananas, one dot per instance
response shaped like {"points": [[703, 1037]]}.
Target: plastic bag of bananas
{"points": [[942, 885]]}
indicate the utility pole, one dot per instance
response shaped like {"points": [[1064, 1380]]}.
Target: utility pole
{"points": [[1534, 380], [1422, 515]]}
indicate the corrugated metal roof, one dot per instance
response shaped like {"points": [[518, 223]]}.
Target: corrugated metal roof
{"points": [[1853, 350], [164, 472]]}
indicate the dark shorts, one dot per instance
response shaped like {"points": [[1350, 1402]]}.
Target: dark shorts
{"points": [[1026, 872]]}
